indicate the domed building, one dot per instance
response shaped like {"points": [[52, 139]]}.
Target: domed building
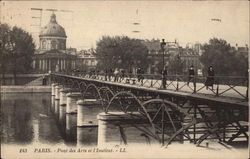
{"points": [[52, 55]]}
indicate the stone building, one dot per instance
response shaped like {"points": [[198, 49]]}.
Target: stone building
{"points": [[52, 55], [86, 60], [189, 56]]}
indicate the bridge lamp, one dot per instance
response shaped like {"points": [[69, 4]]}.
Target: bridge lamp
{"points": [[163, 45]]}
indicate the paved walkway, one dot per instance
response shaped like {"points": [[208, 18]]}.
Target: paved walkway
{"points": [[223, 90]]}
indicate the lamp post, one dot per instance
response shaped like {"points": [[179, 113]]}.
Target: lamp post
{"points": [[163, 44], [164, 72]]}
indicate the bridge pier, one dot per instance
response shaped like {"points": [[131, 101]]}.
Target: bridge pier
{"points": [[71, 100], [117, 128], [71, 120], [57, 92], [56, 109], [52, 105], [87, 110], [87, 123], [63, 97], [62, 113], [87, 135], [53, 86]]}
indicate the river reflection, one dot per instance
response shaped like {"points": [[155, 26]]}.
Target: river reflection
{"points": [[38, 118], [27, 118]]}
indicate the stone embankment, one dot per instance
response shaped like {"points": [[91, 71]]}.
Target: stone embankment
{"points": [[25, 89]]}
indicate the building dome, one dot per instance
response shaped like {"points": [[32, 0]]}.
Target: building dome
{"points": [[52, 28]]}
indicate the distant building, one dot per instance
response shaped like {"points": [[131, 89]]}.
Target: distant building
{"points": [[243, 50], [86, 60], [155, 55], [52, 54], [71, 51], [189, 55]]}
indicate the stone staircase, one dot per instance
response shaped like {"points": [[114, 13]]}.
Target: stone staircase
{"points": [[36, 82]]}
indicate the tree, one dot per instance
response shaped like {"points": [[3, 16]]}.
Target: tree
{"points": [[18, 50], [224, 58], [176, 65], [4, 38], [121, 52]]}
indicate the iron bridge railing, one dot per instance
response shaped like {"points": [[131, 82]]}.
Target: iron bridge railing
{"points": [[227, 86]]}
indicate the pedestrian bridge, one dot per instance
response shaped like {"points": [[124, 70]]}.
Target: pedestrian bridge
{"points": [[178, 113]]}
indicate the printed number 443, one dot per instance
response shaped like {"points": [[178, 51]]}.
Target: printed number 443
{"points": [[23, 150]]}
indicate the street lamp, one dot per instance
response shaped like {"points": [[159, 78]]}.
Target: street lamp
{"points": [[163, 44]]}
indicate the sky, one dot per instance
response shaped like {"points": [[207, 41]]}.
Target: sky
{"points": [[88, 21]]}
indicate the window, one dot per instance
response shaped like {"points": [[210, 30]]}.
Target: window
{"points": [[43, 45], [53, 45]]}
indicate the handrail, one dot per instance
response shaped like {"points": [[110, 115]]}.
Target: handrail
{"points": [[220, 86]]}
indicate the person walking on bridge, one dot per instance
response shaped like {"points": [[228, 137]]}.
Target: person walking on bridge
{"points": [[191, 75], [110, 72], [210, 77], [142, 76], [164, 77], [116, 73], [138, 71]]}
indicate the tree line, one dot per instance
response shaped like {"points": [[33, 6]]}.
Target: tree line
{"points": [[225, 59], [126, 53], [16, 50]]}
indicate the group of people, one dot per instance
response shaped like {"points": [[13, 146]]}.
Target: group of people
{"points": [[116, 73], [191, 77], [119, 75]]}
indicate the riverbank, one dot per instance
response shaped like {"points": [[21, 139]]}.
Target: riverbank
{"points": [[25, 89]]}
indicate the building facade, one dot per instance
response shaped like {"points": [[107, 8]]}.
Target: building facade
{"points": [[188, 56], [86, 60], [52, 55]]}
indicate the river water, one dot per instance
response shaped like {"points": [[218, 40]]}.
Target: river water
{"points": [[27, 118]]}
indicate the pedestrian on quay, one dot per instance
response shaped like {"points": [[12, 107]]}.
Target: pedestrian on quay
{"points": [[210, 78], [164, 77], [191, 75]]}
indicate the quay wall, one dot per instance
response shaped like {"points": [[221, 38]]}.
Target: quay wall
{"points": [[21, 79], [25, 89]]}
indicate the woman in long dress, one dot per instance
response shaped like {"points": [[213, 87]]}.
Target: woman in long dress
{"points": [[210, 77]]}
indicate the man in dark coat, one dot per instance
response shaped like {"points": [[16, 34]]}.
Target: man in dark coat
{"points": [[139, 74], [164, 77], [191, 75]]}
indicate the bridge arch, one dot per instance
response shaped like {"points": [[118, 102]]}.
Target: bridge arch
{"points": [[116, 96], [164, 107]]}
